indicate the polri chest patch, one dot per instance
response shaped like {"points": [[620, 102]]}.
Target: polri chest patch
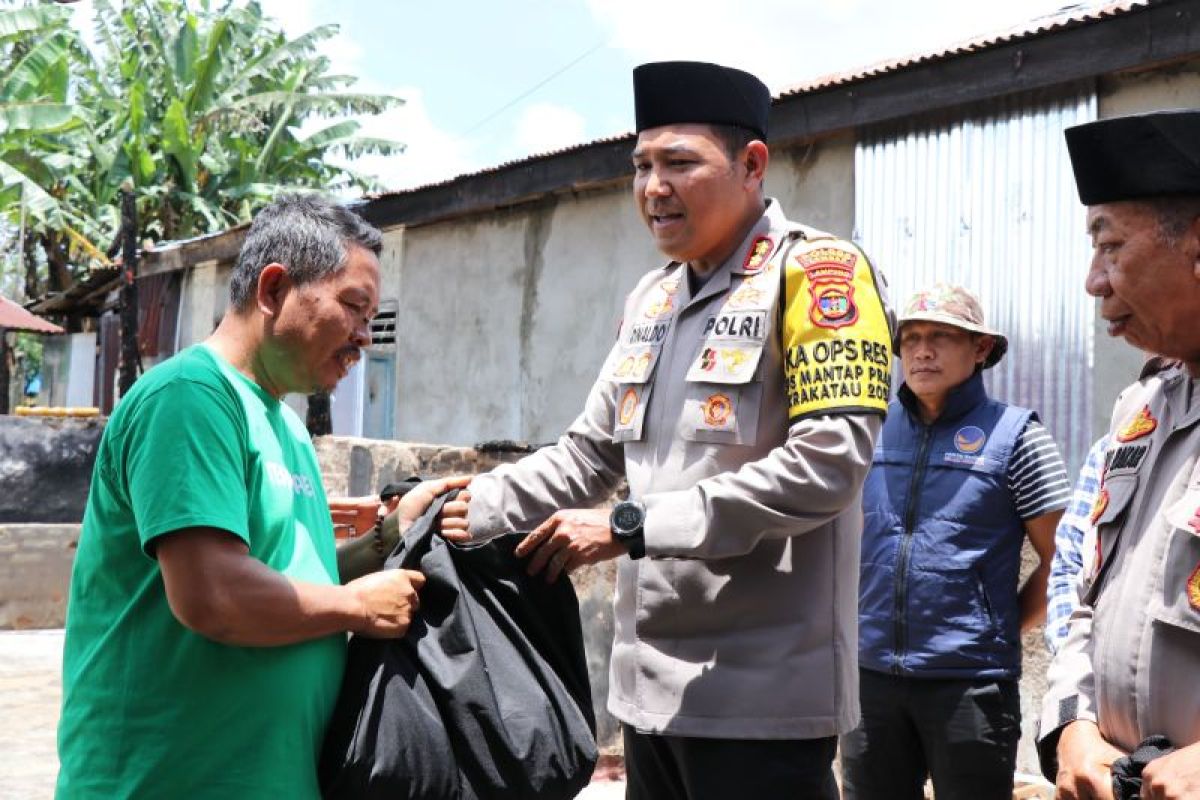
{"points": [[749, 326]]}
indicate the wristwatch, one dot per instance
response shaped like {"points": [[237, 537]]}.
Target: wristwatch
{"points": [[628, 521]]}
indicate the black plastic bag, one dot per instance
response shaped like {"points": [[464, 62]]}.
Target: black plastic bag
{"points": [[487, 696]]}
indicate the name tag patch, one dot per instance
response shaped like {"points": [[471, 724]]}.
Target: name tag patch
{"points": [[647, 333], [1125, 459], [747, 325]]}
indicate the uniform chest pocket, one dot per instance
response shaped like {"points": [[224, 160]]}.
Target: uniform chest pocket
{"points": [[724, 394], [1108, 513], [632, 368], [721, 413], [1113, 500], [1181, 564]]}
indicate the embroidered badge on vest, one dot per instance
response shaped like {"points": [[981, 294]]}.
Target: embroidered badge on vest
{"points": [[969, 440], [1193, 588], [717, 409], [634, 367], [660, 307], [665, 301], [1141, 425], [759, 252], [628, 406], [830, 273], [746, 295]]}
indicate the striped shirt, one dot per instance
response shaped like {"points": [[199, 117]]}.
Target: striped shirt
{"points": [[1037, 477], [1062, 594]]}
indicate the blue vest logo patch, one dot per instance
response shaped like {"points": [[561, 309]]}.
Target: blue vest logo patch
{"points": [[969, 440]]}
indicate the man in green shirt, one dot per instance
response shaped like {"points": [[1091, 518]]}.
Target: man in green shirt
{"points": [[206, 627]]}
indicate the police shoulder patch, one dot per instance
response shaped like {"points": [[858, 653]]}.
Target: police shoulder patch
{"points": [[1143, 424]]}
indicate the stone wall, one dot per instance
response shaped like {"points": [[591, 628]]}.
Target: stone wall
{"points": [[35, 574], [46, 467]]}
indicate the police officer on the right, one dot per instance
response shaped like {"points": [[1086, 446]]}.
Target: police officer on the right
{"points": [[1130, 666]]}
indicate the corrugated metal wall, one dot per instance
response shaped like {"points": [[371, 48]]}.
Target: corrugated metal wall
{"points": [[985, 198]]}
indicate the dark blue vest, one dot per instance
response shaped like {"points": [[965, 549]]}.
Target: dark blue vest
{"points": [[942, 541]]}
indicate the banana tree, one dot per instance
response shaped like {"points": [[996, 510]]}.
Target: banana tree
{"points": [[36, 121], [201, 108]]}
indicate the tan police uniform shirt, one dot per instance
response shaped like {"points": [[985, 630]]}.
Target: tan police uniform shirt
{"points": [[1132, 652], [744, 418]]}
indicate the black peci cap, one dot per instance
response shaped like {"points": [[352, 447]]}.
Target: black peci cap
{"points": [[681, 92], [1128, 158]]}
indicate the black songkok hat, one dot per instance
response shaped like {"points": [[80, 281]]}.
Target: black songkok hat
{"points": [[1128, 158], [681, 92]]}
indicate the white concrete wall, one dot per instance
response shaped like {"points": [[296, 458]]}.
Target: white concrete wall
{"points": [[815, 183], [505, 318], [204, 296]]}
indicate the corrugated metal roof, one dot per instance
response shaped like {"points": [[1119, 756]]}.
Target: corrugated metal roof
{"points": [[15, 318], [180, 244], [1067, 17], [503, 166], [88, 291]]}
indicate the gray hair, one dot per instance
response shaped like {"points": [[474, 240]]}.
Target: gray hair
{"points": [[1174, 215], [307, 233]]}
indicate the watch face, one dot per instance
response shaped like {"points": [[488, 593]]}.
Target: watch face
{"points": [[628, 518]]}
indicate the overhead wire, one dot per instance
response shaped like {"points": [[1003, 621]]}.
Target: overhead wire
{"points": [[532, 89]]}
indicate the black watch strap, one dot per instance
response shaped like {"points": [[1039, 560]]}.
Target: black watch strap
{"points": [[636, 545]]}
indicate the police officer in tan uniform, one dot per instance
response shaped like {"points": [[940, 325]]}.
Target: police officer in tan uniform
{"points": [[741, 400], [1128, 669]]}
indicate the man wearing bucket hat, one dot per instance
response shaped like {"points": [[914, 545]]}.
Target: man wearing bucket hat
{"points": [[1127, 670], [741, 400], [958, 482]]}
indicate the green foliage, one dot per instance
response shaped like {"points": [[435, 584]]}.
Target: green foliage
{"points": [[28, 348], [198, 104]]}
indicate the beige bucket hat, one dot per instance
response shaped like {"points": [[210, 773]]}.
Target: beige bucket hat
{"points": [[952, 305]]}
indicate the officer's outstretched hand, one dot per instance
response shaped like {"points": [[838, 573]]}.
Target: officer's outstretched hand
{"points": [[570, 539], [1085, 762], [453, 518], [414, 503], [1174, 776]]}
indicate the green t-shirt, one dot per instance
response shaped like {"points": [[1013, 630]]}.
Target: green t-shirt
{"points": [[151, 709]]}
